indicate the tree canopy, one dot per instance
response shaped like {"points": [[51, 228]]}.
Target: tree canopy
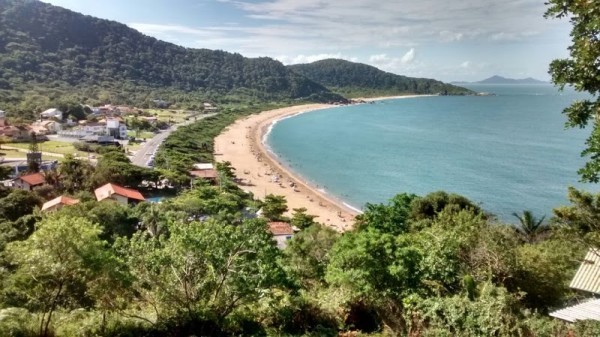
{"points": [[581, 70]]}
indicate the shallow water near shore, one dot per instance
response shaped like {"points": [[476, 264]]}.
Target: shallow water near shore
{"points": [[508, 152]]}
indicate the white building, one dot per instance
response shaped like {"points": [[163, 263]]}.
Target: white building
{"points": [[116, 129], [52, 113], [282, 232], [50, 126]]}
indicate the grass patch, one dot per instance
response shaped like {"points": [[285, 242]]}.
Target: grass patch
{"points": [[176, 116], [10, 153], [52, 146], [140, 134]]}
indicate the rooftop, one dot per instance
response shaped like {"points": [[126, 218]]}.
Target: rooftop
{"points": [[33, 179], [280, 228], [118, 190], [587, 277], [211, 174], [58, 201], [590, 309], [204, 166]]}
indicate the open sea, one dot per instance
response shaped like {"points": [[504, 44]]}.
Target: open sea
{"points": [[508, 152]]}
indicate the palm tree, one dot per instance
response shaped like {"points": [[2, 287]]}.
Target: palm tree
{"points": [[153, 221], [531, 227]]}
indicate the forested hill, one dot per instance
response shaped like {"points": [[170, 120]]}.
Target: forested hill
{"points": [[356, 79], [48, 51]]}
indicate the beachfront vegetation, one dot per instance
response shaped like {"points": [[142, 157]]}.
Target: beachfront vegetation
{"points": [[360, 80], [194, 143], [198, 264], [581, 71]]}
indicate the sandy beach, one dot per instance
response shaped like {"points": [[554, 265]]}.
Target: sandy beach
{"points": [[262, 173], [241, 144]]}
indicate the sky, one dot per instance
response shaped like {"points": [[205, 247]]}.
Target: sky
{"points": [[464, 40]]}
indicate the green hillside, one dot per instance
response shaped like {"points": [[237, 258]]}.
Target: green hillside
{"points": [[356, 79], [49, 54]]}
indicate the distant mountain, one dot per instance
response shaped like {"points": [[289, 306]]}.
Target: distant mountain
{"points": [[49, 54], [356, 79], [503, 80]]}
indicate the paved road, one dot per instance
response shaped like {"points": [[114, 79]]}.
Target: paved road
{"points": [[143, 154]]}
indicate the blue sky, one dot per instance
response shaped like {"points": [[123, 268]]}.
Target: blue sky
{"points": [[446, 40]]}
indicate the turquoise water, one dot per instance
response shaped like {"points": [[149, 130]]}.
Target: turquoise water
{"points": [[508, 152]]}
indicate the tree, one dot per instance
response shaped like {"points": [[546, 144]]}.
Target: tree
{"points": [[226, 169], [581, 71], [115, 219], [531, 227], [5, 172], [274, 206], [391, 218], [75, 174], [582, 217], [56, 265], [302, 220], [206, 269], [307, 254], [153, 219], [17, 204], [430, 205]]}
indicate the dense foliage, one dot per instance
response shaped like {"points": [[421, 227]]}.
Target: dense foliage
{"points": [[360, 80], [201, 264], [582, 71], [49, 55], [194, 143]]}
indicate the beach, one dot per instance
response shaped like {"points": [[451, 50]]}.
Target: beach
{"points": [[261, 173]]}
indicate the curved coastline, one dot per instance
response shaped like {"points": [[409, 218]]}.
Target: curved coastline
{"points": [[244, 145]]}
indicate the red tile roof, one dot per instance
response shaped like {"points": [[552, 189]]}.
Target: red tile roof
{"points": [[118, 190], [280, 228], [33, 179], [127, 192], [58, 201]]}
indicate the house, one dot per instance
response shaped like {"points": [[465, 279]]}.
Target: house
{"points": [[203, 166], [93, 128], [52, 113], [58, 203], [29, 181], [116, 128], [52, 126], [38, 130], [105, 127], [120, 194], [587, 280], [204, 174], [282, 232], [15, 132]]}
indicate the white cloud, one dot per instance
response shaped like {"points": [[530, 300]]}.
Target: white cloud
{"points": [[404, 36], [395, 64], [285, 59], [409, 56]]}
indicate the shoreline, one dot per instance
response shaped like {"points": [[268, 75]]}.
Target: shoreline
{"points": [[243, 143]]}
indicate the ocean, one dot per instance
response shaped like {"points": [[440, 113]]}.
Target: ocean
{"points": [[509, 152]]}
